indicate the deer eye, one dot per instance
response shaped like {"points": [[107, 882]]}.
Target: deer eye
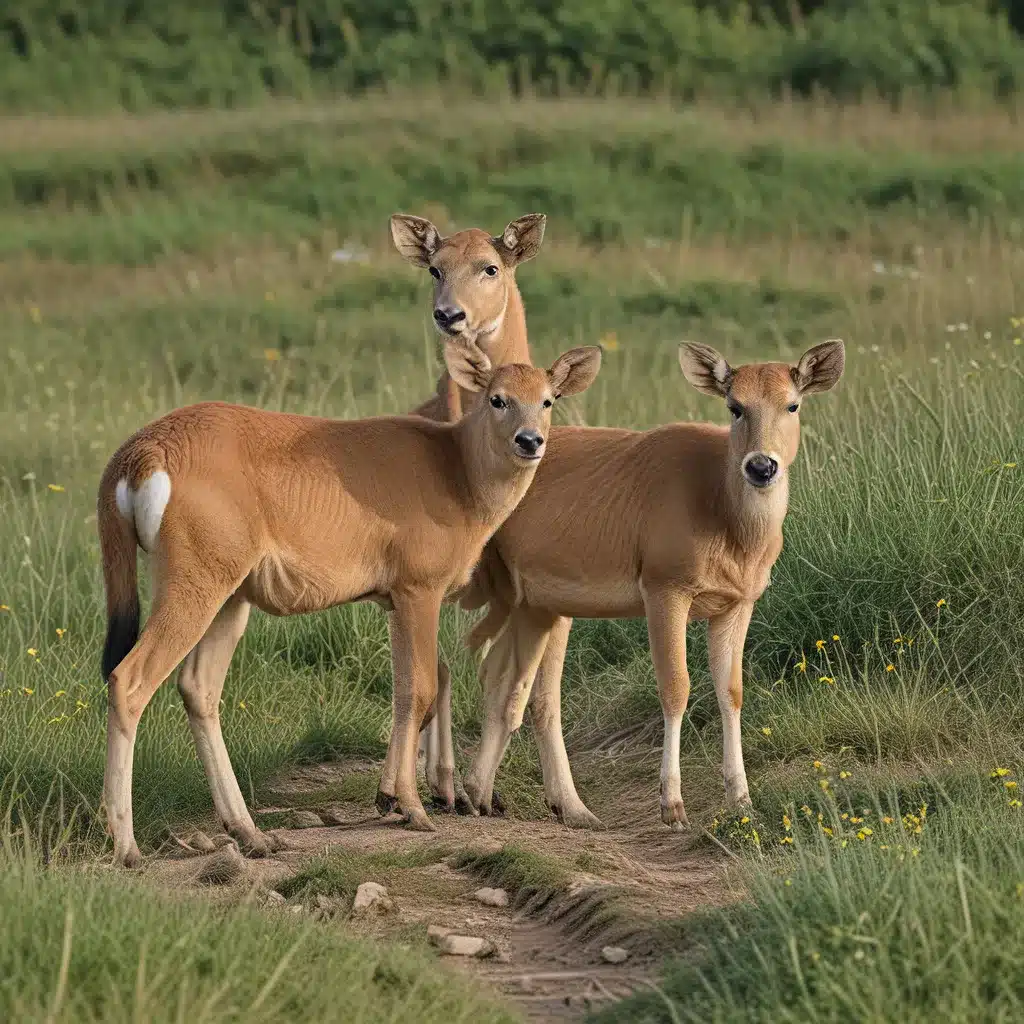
{"points": [[435, 273], [491, 271], [498, 402], [547, 403], [792, 408], [736, 410]]}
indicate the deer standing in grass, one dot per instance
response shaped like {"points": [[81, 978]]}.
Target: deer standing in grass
{"points": [[677, 523], [477, 301], [239, 507]]}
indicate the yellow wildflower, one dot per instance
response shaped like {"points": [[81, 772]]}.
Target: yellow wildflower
{"points": [[940, 603], [1015, 804], [915, 851], [60, 693], [789, 881], [887, 820], [801, 666], [610, 342], [60, 632], [243, 705], [744, 820], [898, 640], [786, 823], [835, 636], [271, 354], [27, 691], [35, 315], [786, 840], [818, 766], [890, 667], [845, 774], [766, 730], [819, 644], [998, 773], [827, 830], [806, 810], [31, 652], [5, 607], [57, 488], [830, 680], [1010, 784]]}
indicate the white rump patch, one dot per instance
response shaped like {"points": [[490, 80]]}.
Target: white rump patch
{"points": [[145, 507]]}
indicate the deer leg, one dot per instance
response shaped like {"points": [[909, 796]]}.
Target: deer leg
{"points": [[201, 683], [440, 745], [507, 672], [546, 718], [181, 614], [413, 627], [727, 635], [667, 612]]}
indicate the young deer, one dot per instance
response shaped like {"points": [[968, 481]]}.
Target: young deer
{"points": [[477, 301], [476, 298], [678, 523], [240, 507]]}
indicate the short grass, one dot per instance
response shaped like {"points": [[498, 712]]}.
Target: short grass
{"points": [[150, 263]]}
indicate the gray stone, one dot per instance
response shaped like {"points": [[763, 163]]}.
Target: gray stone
{"points": [[465, 945], [491, 897], [372, 896], [614, 955]]}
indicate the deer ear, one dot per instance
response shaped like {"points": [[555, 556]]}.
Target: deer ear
{"points": [[415, 238], [467, 365], [705, 368], [574, 371], [819, 368], [521, 240]]}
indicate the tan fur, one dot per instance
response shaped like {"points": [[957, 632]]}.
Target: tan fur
{"points": [[662, 523], [493, 308], [295, 514]]}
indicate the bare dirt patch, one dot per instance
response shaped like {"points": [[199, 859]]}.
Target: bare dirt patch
{"points": [[581, 891]]}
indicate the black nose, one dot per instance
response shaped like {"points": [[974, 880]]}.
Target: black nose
{"points": [[529, 441], [760, 469], [448, 316]]}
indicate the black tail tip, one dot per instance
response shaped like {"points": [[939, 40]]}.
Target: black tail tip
{"points": [[122, 633]]}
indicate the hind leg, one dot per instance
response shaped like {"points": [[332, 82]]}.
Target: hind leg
{"points": [[201, 683], [181, 615]]}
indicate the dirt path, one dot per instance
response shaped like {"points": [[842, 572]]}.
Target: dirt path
{"points": [[617, 887]]}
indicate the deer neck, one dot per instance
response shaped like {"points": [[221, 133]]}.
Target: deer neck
{"points": [[494, 483], [507, 343], [753, 517]]}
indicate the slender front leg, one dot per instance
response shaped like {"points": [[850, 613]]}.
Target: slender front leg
{"points": [[546, 717], [440, 745], [413, 628], [727, 635], [507, 673], [667, 612]]}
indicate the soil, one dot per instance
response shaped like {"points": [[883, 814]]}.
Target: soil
{"points": [[625, 884]]}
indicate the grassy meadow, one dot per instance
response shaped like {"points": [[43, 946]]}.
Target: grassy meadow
{"points": [[151, 261]]}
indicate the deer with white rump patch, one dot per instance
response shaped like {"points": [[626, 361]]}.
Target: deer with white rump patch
{"points": [[677, 523], [239, 507]]}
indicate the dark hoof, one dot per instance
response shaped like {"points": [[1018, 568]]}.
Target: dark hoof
{"points": [[385, 804], [463, 806], [497, 804], [442, 804]]}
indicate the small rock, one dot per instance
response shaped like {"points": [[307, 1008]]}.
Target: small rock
{"points": [[491, 897], [334, 816], [437, 932], [305, 819], [296, 908], [222, 868], [614, 955], [201, 842], [274, 899], [465, 945], [372, 896]]}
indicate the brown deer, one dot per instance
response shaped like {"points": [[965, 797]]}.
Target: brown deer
{"points": [[678, 523], [476, 300], [239, 507]]}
